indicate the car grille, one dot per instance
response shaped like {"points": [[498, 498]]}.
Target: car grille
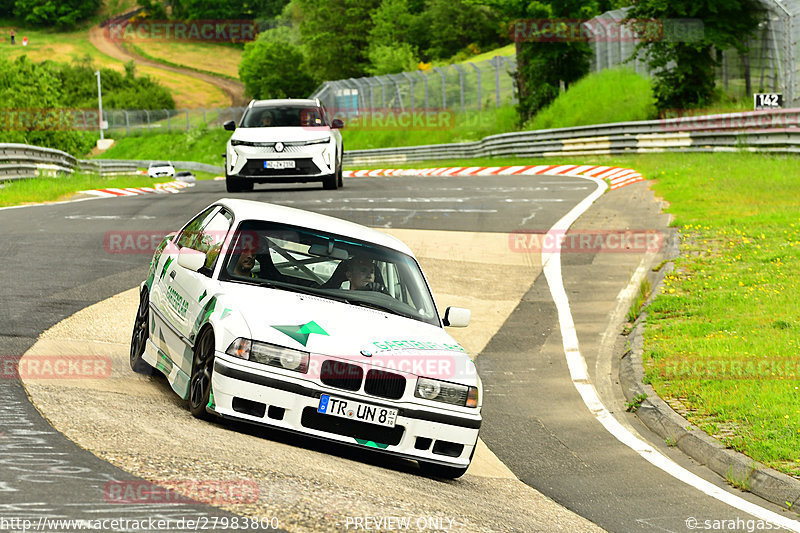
{"points": [[303, 167], [385, 384], [341, 375], [351, 428]]}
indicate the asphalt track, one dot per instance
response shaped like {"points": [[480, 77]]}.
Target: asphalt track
{"points": [[56, 263]]}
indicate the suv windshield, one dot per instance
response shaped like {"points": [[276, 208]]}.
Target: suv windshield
{"points": [[283, 116], [328, 265]]}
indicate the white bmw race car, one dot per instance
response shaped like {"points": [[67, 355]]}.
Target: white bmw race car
{"points": [[312, 324]]}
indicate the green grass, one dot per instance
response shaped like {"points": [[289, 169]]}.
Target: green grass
{"points": [[615, 95], [37, 190], [200, 145], [444, 127], [730, 308]]}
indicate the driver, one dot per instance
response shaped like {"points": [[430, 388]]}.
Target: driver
{"points": [[361, 274]]}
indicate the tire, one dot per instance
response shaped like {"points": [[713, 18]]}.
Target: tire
{"points": [[202, 370], [329, 182], [339, 177], [140, 335], [441, 471], [232, 184], [237, 184]]}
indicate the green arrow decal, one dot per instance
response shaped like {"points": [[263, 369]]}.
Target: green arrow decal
{"points": [[301, 332]]}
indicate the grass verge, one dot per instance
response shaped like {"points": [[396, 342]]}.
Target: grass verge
{"points": [[38, 190], [722, 339], [200, 144]]}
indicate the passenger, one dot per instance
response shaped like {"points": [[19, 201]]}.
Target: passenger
{"points": [[246, 262], [361, 274]]}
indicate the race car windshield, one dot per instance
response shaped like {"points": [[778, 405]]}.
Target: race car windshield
{"points": [[283, 116], [328, 265]]}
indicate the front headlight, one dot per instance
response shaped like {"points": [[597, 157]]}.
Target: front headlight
{"points": [[269, 354], [446, 392], [320, 141]]}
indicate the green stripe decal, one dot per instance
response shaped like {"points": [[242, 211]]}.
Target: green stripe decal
{"points": [[205, 293], [166, 266], [372, 444]]}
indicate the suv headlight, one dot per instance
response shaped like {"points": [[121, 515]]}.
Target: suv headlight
{"points": [[234, 142], [446, 392], [319, 141], [269, 354]]}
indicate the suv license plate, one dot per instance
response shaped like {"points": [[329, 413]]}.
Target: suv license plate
{"points": [[280, 164], [371, 414]]}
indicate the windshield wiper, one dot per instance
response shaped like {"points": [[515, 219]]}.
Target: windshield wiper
{"points": [[297, 288]]}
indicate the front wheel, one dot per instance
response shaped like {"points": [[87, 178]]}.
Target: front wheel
{"points": [[202, 369], [237, 184], [330, 182], [140, 335]]}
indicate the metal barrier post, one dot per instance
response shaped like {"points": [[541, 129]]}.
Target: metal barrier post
{"points": [[444, 94], [478, 77]]}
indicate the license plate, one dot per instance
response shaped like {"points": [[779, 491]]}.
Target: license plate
{"points": [[280, 164], [364, 412]]}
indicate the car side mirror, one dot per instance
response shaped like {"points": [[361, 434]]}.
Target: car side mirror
{"points": [[337, 124], [457, 317], [191, 259], [230, 125]]}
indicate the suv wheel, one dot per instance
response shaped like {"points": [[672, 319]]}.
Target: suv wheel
{"points": [[330, 182], [237, 184]]}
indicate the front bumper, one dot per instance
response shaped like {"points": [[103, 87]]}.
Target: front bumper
{"points": [[312, 162], [262, 397]]}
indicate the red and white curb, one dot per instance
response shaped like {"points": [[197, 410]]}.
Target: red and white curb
{"points": [[615, 176], [159, 188]]}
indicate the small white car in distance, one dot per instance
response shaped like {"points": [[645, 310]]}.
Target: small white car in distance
{"points": [[299, 321], [160, 169], [284, 141]]}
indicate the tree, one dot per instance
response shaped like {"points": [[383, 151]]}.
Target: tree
{"points": [[336, 36], [274, 67], [683, 65], [544, 66], [59, 13]]}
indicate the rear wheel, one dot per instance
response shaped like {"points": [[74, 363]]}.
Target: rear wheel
{"points": [[140, 335], [202, 369], [339, 177]]}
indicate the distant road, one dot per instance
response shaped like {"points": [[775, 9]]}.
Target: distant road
{"points": [[233, 89]]}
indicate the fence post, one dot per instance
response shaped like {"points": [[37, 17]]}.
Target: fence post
{"points": [[444, 94], [127, 123], [147, 113], [478, 76], [460, 84], [496, 62], [168, 124], [407, 76]]}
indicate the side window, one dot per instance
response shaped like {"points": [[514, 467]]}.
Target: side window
{"points": [[190, 233], [212, 236]]}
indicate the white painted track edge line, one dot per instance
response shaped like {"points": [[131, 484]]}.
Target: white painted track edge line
{"points": [[551, 262]]}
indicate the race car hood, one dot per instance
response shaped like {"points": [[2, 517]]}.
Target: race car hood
{"points": [[281, 134], [327, 327]]}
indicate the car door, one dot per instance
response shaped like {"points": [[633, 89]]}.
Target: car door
{"points": [[193, 290]]}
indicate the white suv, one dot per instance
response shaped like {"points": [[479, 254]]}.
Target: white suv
{"points": [[284, 141]]}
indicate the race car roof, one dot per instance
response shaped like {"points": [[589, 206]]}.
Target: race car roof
{"points": [[252, 210]]}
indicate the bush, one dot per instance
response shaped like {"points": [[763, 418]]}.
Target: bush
{"points": [[59, 13]]}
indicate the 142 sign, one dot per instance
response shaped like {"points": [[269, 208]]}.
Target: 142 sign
{"points": [[767, 101]]}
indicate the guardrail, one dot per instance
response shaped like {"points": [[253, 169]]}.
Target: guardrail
{"points": [[758, 131], [107, 168], [25, 161], [771, 131]]}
